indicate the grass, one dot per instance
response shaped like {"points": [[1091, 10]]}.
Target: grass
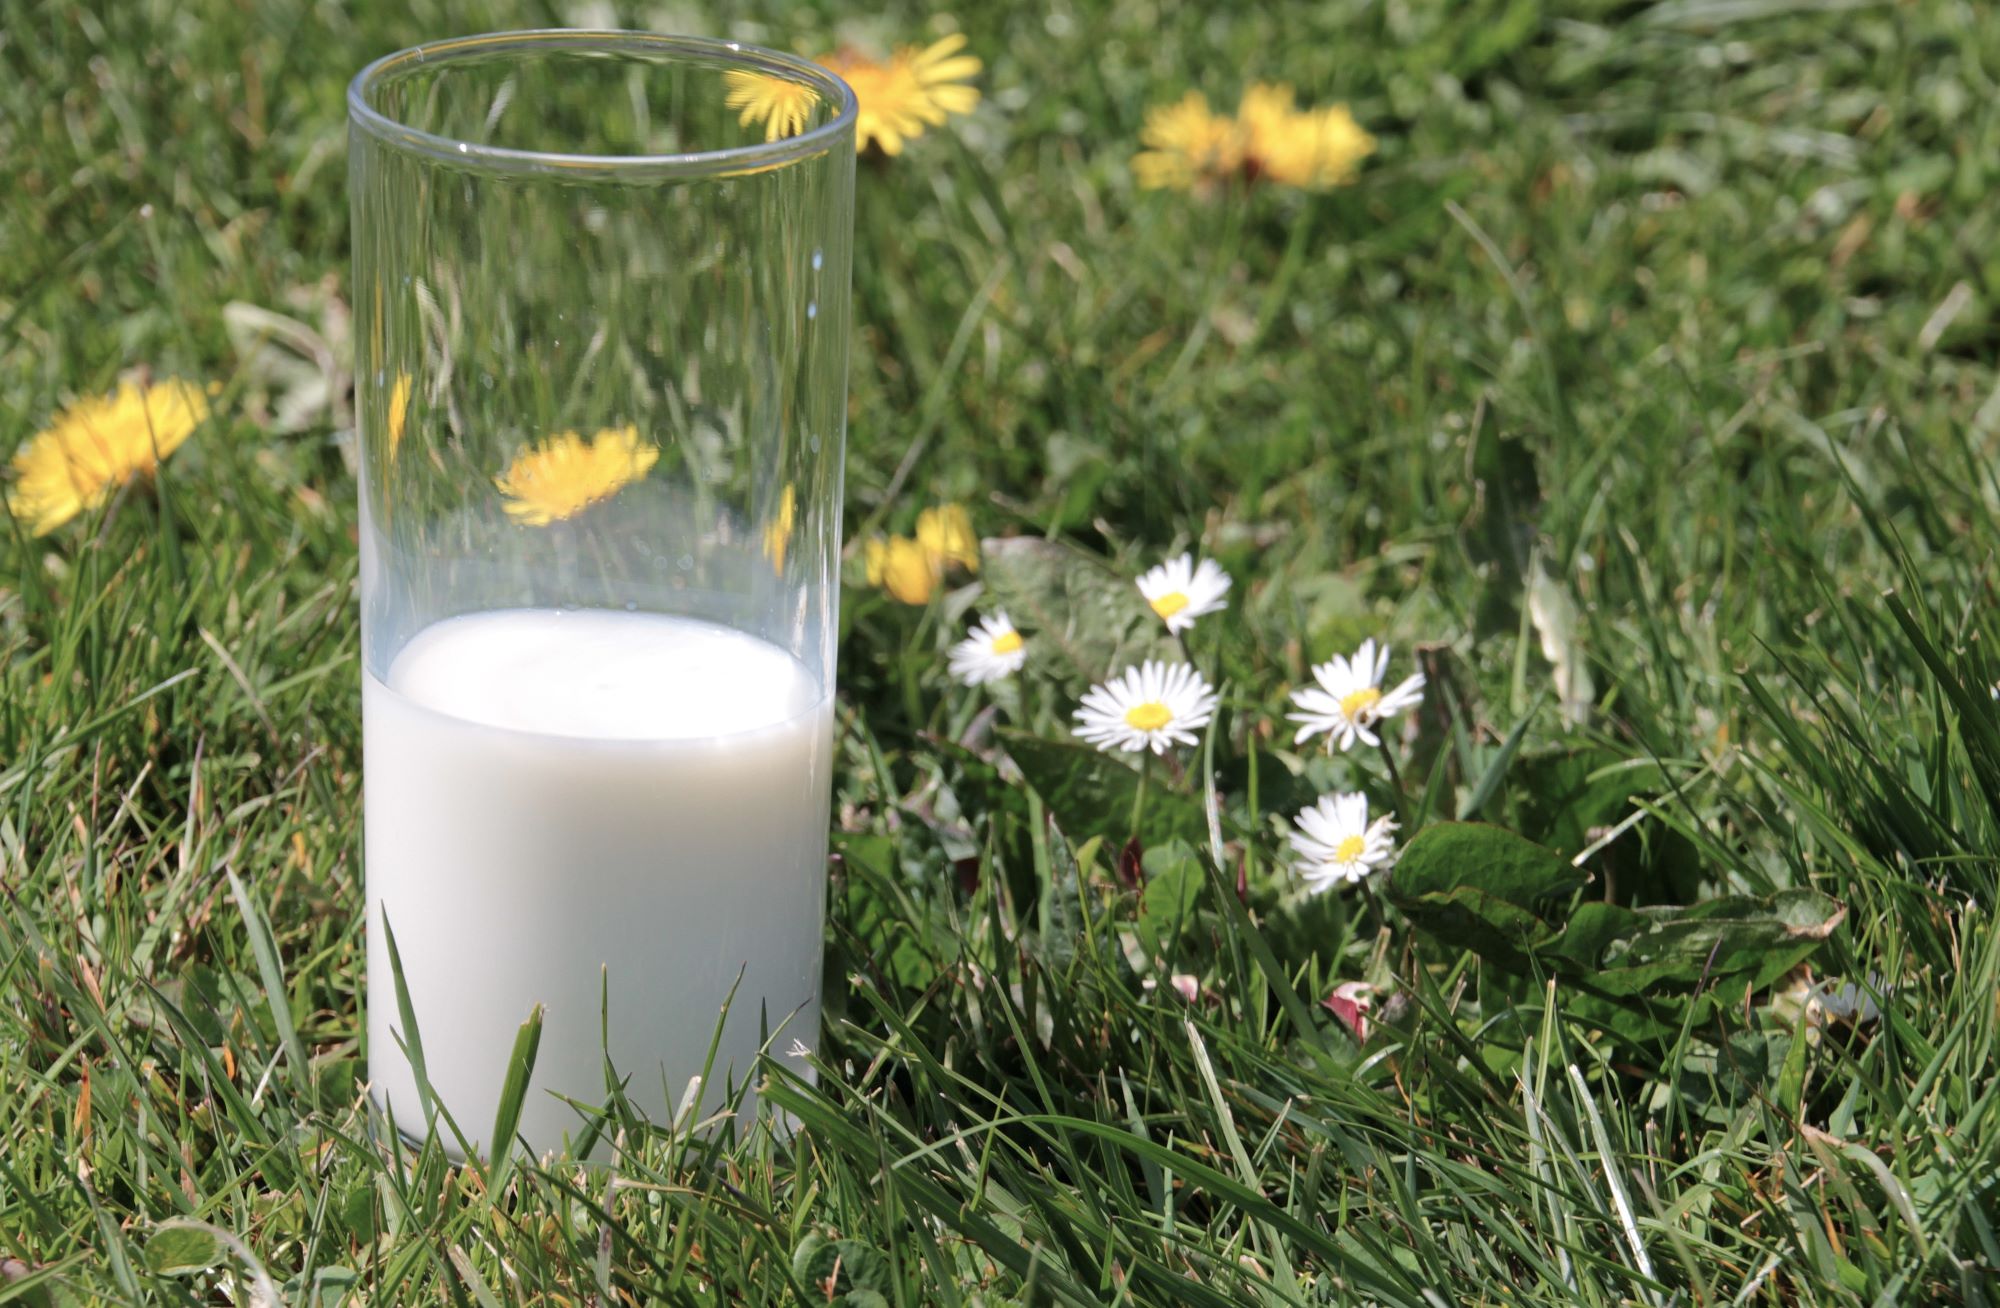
{"points": [[1656, 342]]}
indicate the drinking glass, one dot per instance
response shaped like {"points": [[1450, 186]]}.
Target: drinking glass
{"points": [[602, 288]]}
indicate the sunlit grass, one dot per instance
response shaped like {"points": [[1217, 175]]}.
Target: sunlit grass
{"points": [[1650, 342]]}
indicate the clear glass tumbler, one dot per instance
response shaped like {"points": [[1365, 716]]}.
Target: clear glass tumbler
{"points": [[602, 287]]}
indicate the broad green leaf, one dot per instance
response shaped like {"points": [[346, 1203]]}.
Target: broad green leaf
{"points": [[1084, 621], [873, 913], [179, 1250], [1469, 918], [1495, 862], [1090, 793], [841, 1268], [1733, 936], [1174, 879], [1567, 799]]}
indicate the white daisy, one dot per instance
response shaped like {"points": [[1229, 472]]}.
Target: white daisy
{"points": [[1350, 699], [1337, 844], [1180, 592], [1149, 707], [993, 650]]}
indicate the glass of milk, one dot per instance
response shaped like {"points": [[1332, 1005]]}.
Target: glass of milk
{"points": [[601, 296]]}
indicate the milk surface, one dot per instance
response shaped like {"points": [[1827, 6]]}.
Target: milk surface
{"points": [[549, 793]]}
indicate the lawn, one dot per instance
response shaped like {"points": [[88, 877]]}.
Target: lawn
{"points": [[1639, 390]]}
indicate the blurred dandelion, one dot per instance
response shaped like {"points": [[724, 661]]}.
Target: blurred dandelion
{"points": [[947, 537], [567, 474], [782, 105], [912, 89], [902, 567], [778, 532], [97, 445], [1189, 146]]}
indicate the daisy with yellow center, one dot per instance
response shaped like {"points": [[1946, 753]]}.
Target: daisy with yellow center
{"points": [[993, 651], [95, 446], [567, 474], [778, 532], [1187, 144], [1180, 592], [1149, 707], [780, 103], [900, 96], [1337, 845], [903, 568], [1349, 699]]}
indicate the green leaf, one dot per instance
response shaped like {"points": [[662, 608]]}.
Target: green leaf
{"points": [[1567, 799], [1090, 793], [513, 1093], [1497, 863], [1083, 620], [1489, 926], [1174, 879], [845, 1267], [179, 1250], [1734, 936], [264, 947], [1478, 887], [877, 916]]}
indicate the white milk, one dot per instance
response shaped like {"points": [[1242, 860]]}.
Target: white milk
{"points": [[550, 792]]}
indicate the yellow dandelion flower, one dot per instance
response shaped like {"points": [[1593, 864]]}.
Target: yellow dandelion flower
{"points": [[1265, 114], [903, 568], [910, 90], [779, 103], [1269, 139], [1188, 145], [778, 532], [1311, 149], [399, 410], [567, 474], [947, 538], [97, 445]]}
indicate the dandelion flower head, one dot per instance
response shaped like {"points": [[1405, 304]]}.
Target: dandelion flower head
{"points": [[947, 537], [779, 103], [1310, 148], [97, 445], [902, 567], [913, 89], [1269, 138], [1187, 144], [778, 532], [567, 474], [399, 410]]}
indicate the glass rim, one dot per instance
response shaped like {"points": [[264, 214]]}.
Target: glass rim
{"points": [[755, 157]]}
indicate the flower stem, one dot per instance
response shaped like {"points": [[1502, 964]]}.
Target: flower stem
{"points": [[1395, 780], [1139, 795]]}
